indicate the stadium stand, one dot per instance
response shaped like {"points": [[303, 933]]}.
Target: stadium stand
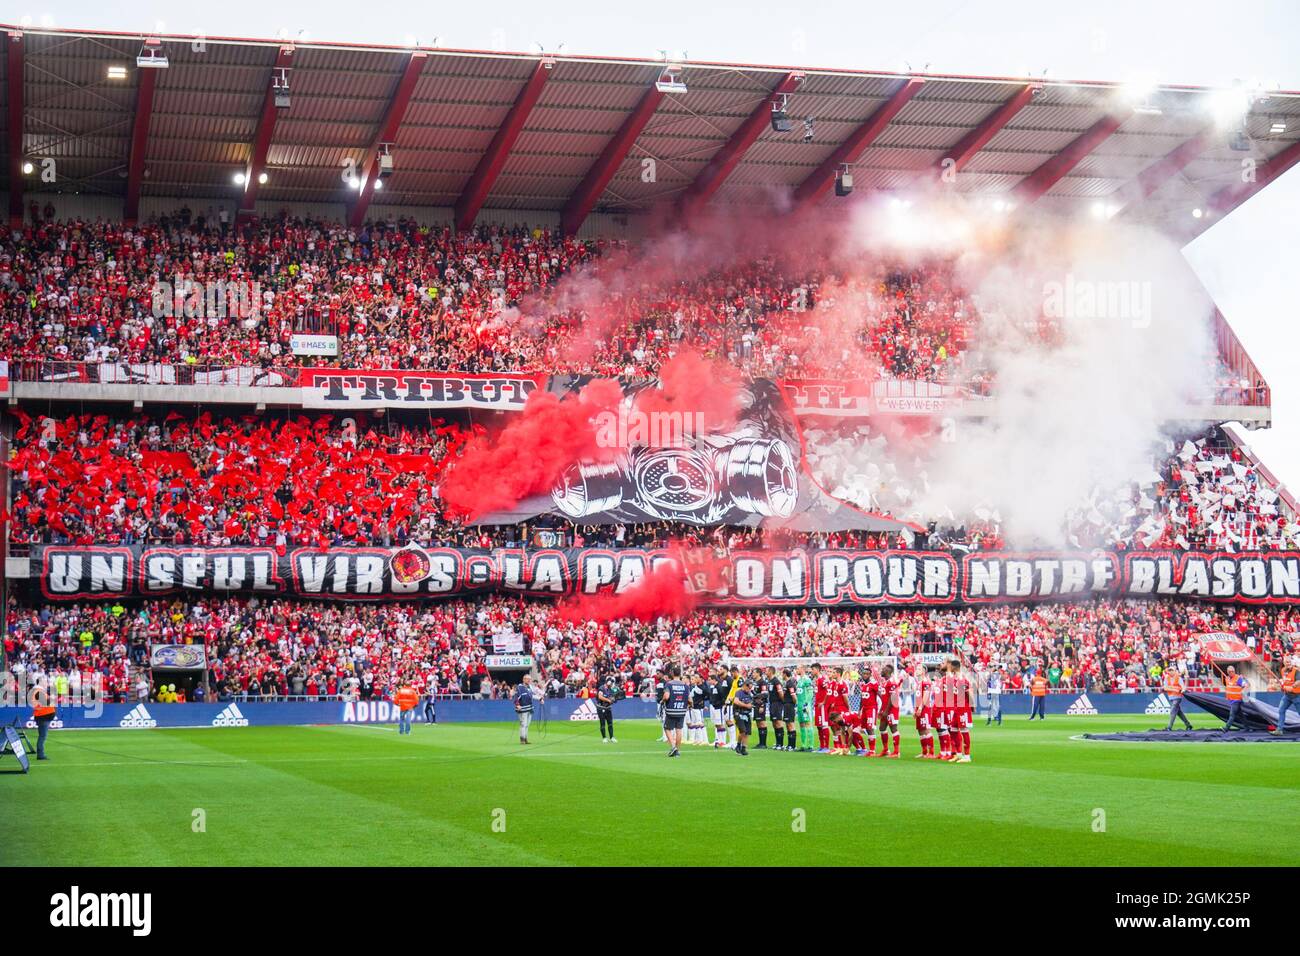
{"points": [[283, 648]]}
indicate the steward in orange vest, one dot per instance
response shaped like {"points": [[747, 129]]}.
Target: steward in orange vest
{"points": [[406, 698], [1290, 694], [43, 711], [1173, 684], [1038, 685], [1234, 688]]}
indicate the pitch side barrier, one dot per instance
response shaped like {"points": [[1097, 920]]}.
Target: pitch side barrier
{"points": [[148, 715], [772, 578]]}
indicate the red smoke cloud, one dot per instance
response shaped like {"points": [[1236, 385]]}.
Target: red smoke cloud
{"points": [[661, 593], [528, 455], [690, 383]]}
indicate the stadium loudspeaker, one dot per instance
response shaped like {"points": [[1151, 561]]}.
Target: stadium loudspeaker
{"points": [[843, 184]]}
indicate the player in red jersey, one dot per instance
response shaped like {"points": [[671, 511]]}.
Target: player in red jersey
{"points": [[963, 711], [821, 691], [849, 724], [837, 705], [869, 707], [941, 710], [952, 742], [888, 711], [924, 701]]}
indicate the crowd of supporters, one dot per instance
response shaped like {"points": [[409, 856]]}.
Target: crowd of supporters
{"points": [[285, 481], [1201, 492], [275, 648], [402, 295]]}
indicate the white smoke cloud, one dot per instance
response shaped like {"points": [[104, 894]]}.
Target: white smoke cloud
{"points": [[1078, 416]]}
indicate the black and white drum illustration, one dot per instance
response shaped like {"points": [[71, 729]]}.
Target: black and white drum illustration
{"points": [[727, 478]]}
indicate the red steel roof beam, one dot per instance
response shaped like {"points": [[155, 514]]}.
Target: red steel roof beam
{"points": [[823, 177], [976, 139], [387, 133], [1230, 197], [145, 80], [1033, 186], [1162, 170], [725, 160], [14, 80], [262, 138], [584, 198], [494, 160]]}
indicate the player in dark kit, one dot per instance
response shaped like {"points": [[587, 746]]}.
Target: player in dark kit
{"points": [[762, 693], [720, 706], [743, 704], [606, 694], [776, 706], [696, 710], [676, 698], [790, 709]]}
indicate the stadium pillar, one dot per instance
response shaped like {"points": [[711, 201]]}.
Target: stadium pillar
{"points": [[725, 160], [823, 177], [14, 82], [584, 198], [145, 80], [1033, 186], [401, 98], [498, 151], [1230, 197], [964, 150], [262, 138]]}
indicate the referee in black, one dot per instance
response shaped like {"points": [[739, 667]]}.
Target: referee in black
{"points": [[606, 694], [744, 705]]}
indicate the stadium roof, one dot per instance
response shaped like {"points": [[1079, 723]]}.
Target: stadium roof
{"points": [[471, 130]]}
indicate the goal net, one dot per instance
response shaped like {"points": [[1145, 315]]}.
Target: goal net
{"points": [[857, 670]]}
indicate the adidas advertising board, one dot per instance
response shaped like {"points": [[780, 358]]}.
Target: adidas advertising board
{"points": [[138, 718], [333, 712], [369, 712], [586, 711], [1158, 706], [1082, 707], [230, 717]]}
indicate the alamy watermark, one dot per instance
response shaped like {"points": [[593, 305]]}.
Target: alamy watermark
{"points": [[628, 427], [82, 691], [1124, 300]]}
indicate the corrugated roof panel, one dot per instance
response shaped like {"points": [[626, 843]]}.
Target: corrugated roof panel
{"points": [[208, 102]]}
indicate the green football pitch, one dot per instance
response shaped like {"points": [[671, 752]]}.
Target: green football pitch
{"points": [[469, 794]]}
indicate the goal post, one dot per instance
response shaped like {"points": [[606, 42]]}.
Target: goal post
{"points": [[855, 668]]}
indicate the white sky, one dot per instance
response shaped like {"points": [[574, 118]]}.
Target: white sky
{"points": [[1244, 260]]}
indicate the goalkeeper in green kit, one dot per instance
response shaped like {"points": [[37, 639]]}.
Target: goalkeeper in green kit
{"points": [[804, 702]]}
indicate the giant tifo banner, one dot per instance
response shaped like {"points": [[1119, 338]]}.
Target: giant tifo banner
{"points": [[796, 578], [750, 474], [339, 388]]}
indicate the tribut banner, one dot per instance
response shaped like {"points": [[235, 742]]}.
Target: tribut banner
{"points": [[344, 388], [794, 578]]}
